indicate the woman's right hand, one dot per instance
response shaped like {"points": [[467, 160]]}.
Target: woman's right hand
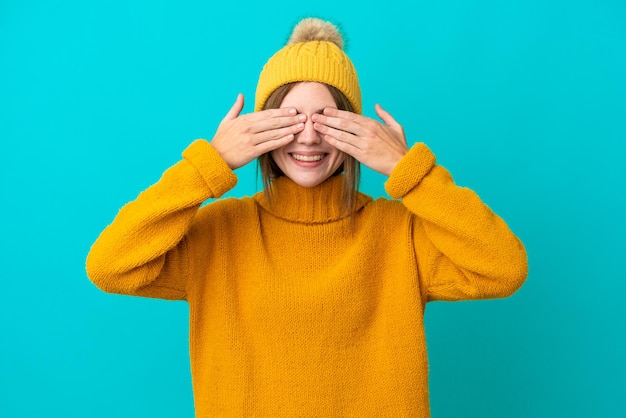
{"points": [[241, 139]]}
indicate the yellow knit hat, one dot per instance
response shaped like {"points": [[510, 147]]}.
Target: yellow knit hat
{"points": [[313, 53]]}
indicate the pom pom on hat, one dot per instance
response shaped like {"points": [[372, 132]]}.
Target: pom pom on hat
{"points": [[313, 53], [313, 29]]}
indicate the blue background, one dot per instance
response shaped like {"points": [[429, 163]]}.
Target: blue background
{"points": [[523, 101]]}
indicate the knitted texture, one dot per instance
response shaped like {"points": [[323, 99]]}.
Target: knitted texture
{"points": [[294, 311], [319, 61]]}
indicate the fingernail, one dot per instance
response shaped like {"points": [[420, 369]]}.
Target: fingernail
{"points": [[292, 111], [302, 118]]}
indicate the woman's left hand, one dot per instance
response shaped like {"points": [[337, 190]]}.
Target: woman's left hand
{"points": [[378, 146]]}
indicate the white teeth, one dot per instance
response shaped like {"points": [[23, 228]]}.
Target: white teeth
{"points": [[307, 157]]}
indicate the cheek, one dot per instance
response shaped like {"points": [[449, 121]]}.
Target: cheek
{"points": [[339, 158], [277, 156]]}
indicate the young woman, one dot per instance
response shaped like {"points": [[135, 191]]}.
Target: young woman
{"points": [[308, 299]]}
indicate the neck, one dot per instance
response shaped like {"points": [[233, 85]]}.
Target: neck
{"points": [[319, 204]]}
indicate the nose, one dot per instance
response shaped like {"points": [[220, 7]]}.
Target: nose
{"points": [[308, 136]]}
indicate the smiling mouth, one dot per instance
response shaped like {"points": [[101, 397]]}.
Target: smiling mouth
{"points": [[307, 158]]}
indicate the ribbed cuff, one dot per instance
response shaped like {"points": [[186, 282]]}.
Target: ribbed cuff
{"points": [[211, 166], [410, 170]]}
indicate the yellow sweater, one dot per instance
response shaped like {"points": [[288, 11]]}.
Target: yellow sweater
{"points": [[292, 314]]}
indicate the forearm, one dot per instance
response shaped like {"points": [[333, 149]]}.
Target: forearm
{"points": [[473, 252], [142, 251]]}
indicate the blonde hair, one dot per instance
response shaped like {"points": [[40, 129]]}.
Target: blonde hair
{"points": [[350, 168]]}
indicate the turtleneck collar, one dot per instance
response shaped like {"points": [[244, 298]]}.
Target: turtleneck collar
{"points": [[317, 204]]}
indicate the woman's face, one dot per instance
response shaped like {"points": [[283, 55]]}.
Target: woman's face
{"points": [[308, 160]]}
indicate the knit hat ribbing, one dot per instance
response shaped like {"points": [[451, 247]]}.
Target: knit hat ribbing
{"points": [[313, 54]]}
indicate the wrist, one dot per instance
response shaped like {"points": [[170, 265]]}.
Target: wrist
{"points": [[410, 170]]}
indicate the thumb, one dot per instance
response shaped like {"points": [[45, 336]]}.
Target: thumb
{"points": [[236, 109], [385, 116]]}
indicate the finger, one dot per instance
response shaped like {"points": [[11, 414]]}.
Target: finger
{"points": [[268, 124], [338, 135], [385, 116], [236, 109], [271, 145], [338, 122], [343, 146], [274, 134], [344, 114], [273, 113]]}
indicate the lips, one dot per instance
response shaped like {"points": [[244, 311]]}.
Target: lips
{"points": [[307, 158]]}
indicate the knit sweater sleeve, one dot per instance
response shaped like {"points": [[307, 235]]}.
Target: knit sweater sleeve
{"points": [[463, 249], [144, 251]]}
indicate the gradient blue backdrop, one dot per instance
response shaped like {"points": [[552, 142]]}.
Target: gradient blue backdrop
{"points": [[523, 101]]}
